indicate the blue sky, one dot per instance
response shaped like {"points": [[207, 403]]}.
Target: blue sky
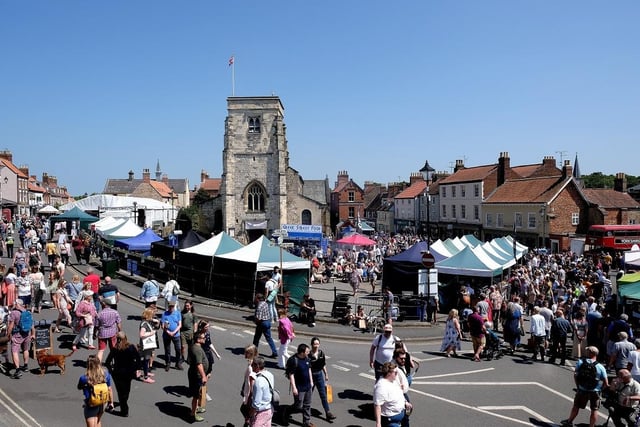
{"points": [[91, 90]]}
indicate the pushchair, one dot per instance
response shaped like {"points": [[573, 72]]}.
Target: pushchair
{"points": [[493, 347], [610, 401]]}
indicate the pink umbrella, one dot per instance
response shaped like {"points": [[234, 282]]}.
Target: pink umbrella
{"points": [[356, 240]]}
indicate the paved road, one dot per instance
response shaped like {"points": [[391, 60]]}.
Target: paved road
{"points": [[510, 391]]}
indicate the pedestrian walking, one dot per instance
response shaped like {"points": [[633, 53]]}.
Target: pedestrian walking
{"points": [[95, 377], [250, 354], [590, 378], [320, 376], [262, 319], [452, 335], [286, 335], [123, 362], [109, 323], [382, 348], [298, 371], [197, 375], [389, 403], [261, 412]]}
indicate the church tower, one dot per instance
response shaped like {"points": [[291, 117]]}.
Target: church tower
{"points": [[255, 160]]}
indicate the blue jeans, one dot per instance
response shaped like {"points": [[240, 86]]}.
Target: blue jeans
{"points": [[393, 421], [264, 328], [318, 382], [167, 340]]}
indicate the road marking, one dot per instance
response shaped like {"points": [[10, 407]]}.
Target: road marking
{"points": [[218, 328], [353, 365], [237, 334], [25, 422], [452, 374], [369, 376], [340, 368], [472, 408], [531, 412], [246, 331], [492, 383]]}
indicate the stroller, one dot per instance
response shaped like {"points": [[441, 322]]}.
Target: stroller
{"points": [[493, 347]]}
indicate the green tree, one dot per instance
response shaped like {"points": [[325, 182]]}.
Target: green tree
{"points": [[201, 196]]}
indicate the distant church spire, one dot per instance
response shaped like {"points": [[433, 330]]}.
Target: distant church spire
{"points": [[158, 171], [576, 168]]}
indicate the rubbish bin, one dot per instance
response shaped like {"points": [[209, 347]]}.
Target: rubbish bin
{"points": [[109, 267]]}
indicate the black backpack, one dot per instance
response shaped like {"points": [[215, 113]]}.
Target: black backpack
{"points": [[587, 375]]}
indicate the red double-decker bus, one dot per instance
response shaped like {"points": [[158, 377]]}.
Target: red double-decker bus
{"points": [[613, 237]]}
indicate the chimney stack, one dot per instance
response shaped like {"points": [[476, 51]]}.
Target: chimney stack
{"points": [[146, 176], [620, 182], [504, 166], [567, 169]]}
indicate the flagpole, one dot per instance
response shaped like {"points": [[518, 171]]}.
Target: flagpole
{"points": [[232, 64]]}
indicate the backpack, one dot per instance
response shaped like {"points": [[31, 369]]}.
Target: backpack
{"points": [[98, 394], [176, 290], [33, 260], [26, 322], [587, 375]]}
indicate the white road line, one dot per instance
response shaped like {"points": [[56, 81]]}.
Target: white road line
{"points": [[246, 331], [369, 376], [218, 328], [531, 412], [499, 383], [342, 362], [452, 374], [26, 422], [237, 334], [472, 408], [340, 368]]}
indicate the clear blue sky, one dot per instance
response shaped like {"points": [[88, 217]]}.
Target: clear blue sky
{"points": [[92, 89]]}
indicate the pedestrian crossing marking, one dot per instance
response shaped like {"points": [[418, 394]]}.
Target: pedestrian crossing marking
{"points": [[340, 368]]}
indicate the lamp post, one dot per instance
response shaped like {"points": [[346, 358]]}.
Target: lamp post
{"points": [[135, 212], [3, 182], [543, 214], [428, 199]]}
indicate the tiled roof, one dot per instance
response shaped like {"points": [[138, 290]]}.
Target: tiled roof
{"points": [[121, 186], [346, 184], [525, 170], [211, 184], [527, 190], [477, 173], [163, 189], [608, 198], [414, 190], [35, 188], [14, 168]]}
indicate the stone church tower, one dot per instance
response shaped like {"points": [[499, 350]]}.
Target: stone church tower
{"points": [[259, 191], [255, 161]]}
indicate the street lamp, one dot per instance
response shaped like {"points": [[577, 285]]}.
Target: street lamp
{"points": [[427, 174], [3, 182], [135, 212]]}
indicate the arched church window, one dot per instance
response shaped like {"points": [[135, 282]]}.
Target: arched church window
{"points": [[255, 198], [254, 125], [306, 217]]}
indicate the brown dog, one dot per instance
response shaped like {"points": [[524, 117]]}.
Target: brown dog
{"points": [[45, 360]]}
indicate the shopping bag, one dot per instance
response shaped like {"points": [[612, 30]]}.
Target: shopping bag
{"points": [[329, 393]]}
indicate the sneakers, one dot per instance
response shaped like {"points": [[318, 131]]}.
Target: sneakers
{"points": [[201, 410], [17, 374], [197, 418], [148, 380], [179, 368], [566, 423], [167, 367], [330, 417], [24, 368]]}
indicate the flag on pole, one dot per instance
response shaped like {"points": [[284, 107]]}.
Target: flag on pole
{"points": [[231, 59]]}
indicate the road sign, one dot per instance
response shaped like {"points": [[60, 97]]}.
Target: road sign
{"points": [[281, 233], [428, 260]]}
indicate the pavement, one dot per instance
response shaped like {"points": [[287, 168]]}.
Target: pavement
{"points": [[324, 294]]}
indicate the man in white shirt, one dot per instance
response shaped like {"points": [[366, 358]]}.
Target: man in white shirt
{"points": [[538, 334], [382, 349]]}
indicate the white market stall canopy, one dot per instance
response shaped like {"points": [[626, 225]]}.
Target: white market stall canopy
{"points": [[122, 231], [220, 244], [266, 256], [123, 207]]}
